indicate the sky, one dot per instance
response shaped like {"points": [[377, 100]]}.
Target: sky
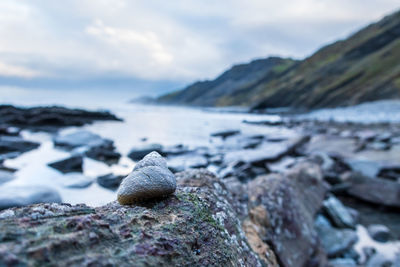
{"points": [[164, 44]]}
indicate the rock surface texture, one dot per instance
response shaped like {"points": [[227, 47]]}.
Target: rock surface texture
{"points": [[196, 226]]}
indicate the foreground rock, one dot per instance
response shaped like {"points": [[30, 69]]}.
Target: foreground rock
{"points": [[283, 209], [16, 196], [196, 226], [46, 118]]}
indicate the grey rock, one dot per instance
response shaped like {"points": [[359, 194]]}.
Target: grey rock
{"points": [[338, 213], [76, 180], [379, 232], [10, 144], [225, 134], [81, 138], [110, 181], [335, 241], [379, 260], [192, 160], [342, 262], [71, 164], [137, 153], [16, 196]]}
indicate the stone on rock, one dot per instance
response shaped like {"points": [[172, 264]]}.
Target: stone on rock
{"points": [[71, 164], [16, 196], [137, 153], [110, 181], [338, 213], [149, 179], [379, 232]]}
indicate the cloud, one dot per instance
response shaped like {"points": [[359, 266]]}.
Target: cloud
{"points": [[180, 40]]}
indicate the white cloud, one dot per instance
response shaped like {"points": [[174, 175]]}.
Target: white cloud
{"points": [[176, 40]]}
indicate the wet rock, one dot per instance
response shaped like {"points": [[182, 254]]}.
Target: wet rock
{"points": [[379, 232], [334, 241], [149, 179], [338, 213], [137, 153], [11, 131], [225, 134], [267, 152], [265, 122], [17, 196], [195, 227], [378, 191], [48, 118], [81, 138], [105, 154], [175, 150], [5, 176], [378, 146], [110, 181], [390, 172], [380, 260], [192, 160], [16, 144], [366, 167], [288, 204], [71, 164]]}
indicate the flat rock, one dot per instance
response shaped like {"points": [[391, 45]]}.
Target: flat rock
{"points": [[374, 190], [71, 164], [16, 144], [81, 138], [76, 180], [225, 134], [17, 196]]}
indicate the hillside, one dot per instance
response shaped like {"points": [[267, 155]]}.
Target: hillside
{"points": [[362, 68]]}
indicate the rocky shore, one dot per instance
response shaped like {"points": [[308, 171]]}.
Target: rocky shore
{"points": [[308, 194]]}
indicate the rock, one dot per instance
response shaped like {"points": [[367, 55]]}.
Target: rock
{"points": [[12, 131], [81, 138], [334, 241], [378, 191], [378, 146], [175, 150], [267, 152], [105, 154], [71, 164], [265, 122], [225, 134], [149, 179], [379, 232], [76, 180], [48, 118], [366, 167], [192, 160], [338, 213], [239, 192], [137, 153], [16, 144], [195, 227], [380, 260], [390, 172], [5, 176], [17, 196], [110, 181], [283, 207]]}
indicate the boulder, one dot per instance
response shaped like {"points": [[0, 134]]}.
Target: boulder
{"points": [[17, 196], [283, 209], [71, 164], [137, 153], [194, 227], [338, 213]]}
